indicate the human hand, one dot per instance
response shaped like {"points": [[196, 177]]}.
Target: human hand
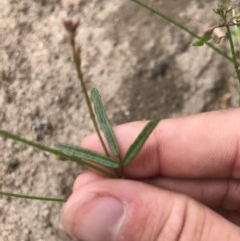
{"points": [[183, 185]]}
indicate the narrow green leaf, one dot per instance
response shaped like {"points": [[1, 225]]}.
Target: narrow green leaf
{"points": [[204, 38], [24, 196], [57, 152], [104, 122], [87, 154], [139, 142]]}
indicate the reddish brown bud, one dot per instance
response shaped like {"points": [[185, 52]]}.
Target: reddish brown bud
{"points": [[209, 30], [71, 26]]}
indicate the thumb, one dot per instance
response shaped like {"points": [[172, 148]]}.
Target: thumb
{"points": [[114, 210]]}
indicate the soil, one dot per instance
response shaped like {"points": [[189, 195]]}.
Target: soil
{"points": [[142, 65]]}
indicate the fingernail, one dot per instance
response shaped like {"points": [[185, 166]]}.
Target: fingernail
{"points": [[99, 220]]}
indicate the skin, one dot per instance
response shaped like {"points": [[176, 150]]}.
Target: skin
{"points": [[184, 185]]}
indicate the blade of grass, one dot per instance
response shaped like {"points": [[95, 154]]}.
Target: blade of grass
{"points": [[50, 199], [87, 154], [181, 26], [139, 142], [104, 122], [54, 151]]}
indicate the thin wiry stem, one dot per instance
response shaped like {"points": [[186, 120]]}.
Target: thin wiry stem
{"points": [[236, 27], [77, 62], [234, 57], [54, 151], [50, 199]]}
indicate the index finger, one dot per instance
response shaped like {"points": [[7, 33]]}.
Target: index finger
{"points": [[199, 146]]}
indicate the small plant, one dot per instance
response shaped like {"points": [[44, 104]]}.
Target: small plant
{"points": [[229, 17], [113, 160], [93, 160], [112, 164]]}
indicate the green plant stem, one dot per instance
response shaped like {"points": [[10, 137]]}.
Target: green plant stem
{"points": [[77, 62], [234, 57], [50, 199], [181, 26], [236, 27], [235, 63], [54, 151]]}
